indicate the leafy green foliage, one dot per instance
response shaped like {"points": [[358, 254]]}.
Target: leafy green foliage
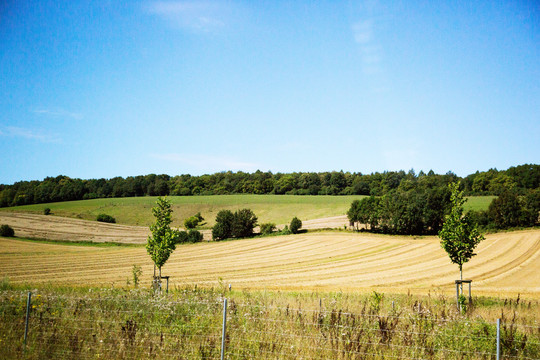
{"points": [[510, 210], [365, 211], [106, 218], [190, 236], [267, 228], [136, 271], [459, 236], [237, 225], [415, 207], [244, 222], [163, 240], [194, 236], [193, 221], [63, 188], [295, 225], [6, 231], [223, 229], [505, 211]]}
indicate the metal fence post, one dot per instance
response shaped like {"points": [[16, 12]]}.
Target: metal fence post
{"points": [[457, 295], [223, 333], [27, 316], [498, 339]]}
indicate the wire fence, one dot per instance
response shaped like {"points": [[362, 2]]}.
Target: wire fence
{"points": [[206, 327]]}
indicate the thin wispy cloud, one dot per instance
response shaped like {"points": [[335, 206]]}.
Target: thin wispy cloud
{"points": [[207, 162], [370, 50], [363, 31], [29, 134], [196, 16], [60, 113]]}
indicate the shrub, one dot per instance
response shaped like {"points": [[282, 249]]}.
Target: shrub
{"points": [[244, 222], [223, 227], [238, 225], [136, 271], [268, 228], [193, 221], [106, 218], [7, 231], [46, 211], [182, 237], [195, 236], [295, 226], [480, 218]]}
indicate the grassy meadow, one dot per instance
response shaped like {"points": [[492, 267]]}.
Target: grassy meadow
{"points": [[128, 323], [279, 209]]}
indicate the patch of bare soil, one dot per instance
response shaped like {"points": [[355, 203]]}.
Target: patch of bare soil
{"points": [[334, 222]]}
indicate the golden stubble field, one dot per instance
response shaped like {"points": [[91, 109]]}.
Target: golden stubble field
{"points": [[34, 226], [506, 264]]}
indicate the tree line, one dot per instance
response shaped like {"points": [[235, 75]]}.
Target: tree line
{"points": [[416, 208], [517, 179]]}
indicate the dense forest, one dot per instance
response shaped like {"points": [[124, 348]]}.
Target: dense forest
{"points": [[520, 180]]}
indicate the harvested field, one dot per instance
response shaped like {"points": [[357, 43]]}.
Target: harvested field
{"points": [[60, 228], [507, 263], [35, 226]]}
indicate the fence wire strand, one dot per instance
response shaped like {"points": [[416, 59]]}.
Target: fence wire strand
{"points": [[289, 331]]}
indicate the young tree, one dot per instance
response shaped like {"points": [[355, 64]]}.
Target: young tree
{"points": [[163, 240], [459, 235]]}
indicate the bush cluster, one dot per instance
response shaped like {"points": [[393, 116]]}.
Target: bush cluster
{"points": [[6, 231], [190, 236], [268, 228], [193, 221], [239, 224], [106, 218]]}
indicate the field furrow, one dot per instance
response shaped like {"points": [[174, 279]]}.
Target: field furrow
{"points": [[506, 263]]}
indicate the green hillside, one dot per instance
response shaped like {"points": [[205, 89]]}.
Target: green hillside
{"points": [[279, 209]]}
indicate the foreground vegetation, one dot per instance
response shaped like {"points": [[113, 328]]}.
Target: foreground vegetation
{"points": [[113, 323]]}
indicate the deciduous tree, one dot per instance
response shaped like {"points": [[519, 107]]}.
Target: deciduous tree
{"points": [[459, 235], [163, 240]]}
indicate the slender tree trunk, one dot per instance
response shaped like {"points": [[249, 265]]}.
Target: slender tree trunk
{"points": [[461, 277]]}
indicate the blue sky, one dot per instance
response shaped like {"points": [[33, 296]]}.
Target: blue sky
{"points": [[94, 89]]}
